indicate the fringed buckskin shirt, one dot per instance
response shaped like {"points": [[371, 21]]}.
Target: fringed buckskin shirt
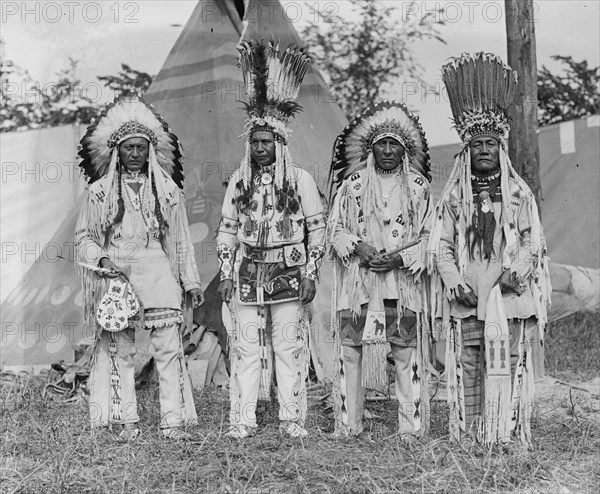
{"points": [[159, 278], [408, 218]]}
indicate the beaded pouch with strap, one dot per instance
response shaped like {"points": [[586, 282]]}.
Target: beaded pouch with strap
{"points": [[118, 305]]}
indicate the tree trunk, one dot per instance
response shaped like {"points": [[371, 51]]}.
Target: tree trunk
{"points": [[523, 140]]}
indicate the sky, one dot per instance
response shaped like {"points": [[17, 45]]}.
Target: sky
{"points": [[42, 36]]}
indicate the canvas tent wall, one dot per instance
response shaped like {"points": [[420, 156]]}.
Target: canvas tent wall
{"points": [[40, 182], [41, 297]]}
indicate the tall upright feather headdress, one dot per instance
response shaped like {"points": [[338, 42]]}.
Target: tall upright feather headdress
{"points": [[385, 119], [272, 84], [481, 88]]}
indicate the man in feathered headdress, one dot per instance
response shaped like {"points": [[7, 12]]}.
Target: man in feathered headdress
{"points": [[492, 289], [136, 259], [378, 229], [270, 244]]}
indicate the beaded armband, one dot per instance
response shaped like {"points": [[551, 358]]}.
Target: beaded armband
{"points": [[315, 222], [226, 259], [228, 226], [315, 258]]}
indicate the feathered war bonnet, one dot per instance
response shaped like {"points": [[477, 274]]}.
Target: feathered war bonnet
{"points": [[481, 89], [272, 83], [353, 151], [353, 148], [126, 117]]}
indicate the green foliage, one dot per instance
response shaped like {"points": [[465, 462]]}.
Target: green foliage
{"points": [[16, 113], [65, 101], [363, 55], [573, 94], [25, 104], [127, 79]]}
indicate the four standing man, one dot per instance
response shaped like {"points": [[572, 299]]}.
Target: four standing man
{"points": [[475, 267]]}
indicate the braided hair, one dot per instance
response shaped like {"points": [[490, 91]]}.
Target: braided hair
{"points": [[120, 211], [120, 202], [162, 224]]}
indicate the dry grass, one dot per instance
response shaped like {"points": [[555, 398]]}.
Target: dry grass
{"points": [[48, 447], [572, 350]]}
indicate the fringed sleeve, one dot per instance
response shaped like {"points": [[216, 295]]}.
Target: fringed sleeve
{"points": [[88, 231], [186, 257], [414, 258], [343, 224], [527, 253], [531, 262], [88, 250], [446, 260], [343, 236]]}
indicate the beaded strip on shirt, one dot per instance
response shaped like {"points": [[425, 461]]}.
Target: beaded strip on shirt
{"points": [[389, 194], [386, 197], [136, 203]]}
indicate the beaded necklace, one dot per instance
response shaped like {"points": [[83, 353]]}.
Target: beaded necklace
{"points": [[485, 180], [137, 199], [386, 197], [386, 172]]}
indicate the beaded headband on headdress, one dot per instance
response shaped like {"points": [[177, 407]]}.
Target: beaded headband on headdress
{"points": [[391, 129], [272, 84], [131, 129], [481, 88], [129, 116], [385, 119]]}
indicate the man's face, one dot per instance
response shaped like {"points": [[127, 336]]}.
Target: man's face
{"points": [[262, 147], [485, 156], [388, 153], [133, 153]]}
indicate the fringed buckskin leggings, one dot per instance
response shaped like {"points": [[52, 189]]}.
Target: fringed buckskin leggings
{"points": [[112, 378]]}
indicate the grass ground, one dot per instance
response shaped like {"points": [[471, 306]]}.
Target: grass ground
{"points": [[47, 447]]}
